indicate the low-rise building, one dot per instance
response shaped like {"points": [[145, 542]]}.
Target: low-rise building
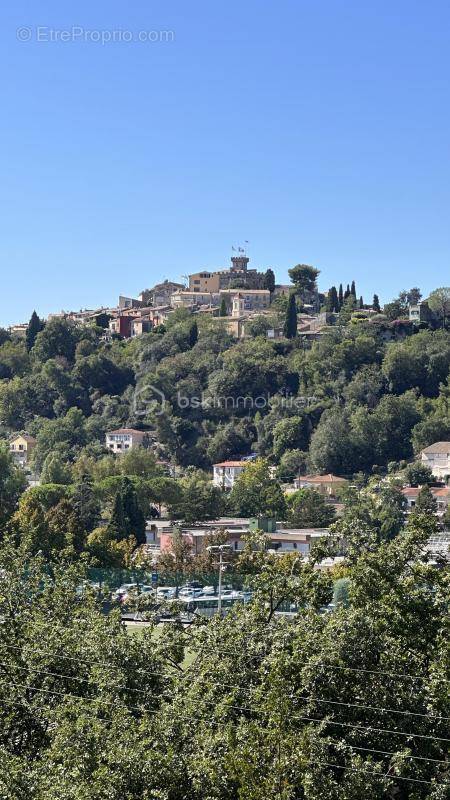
{"points": [[324, 484], [21, 448], [19, 330], [226, 472], [420, 312], [160, 294], [440, 493], [124, 439], [437, 457], [242, 302], [188, 299], [121, 325], [280, 539]]}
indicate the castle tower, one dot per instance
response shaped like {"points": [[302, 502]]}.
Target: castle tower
{"points": [[239, 263]]}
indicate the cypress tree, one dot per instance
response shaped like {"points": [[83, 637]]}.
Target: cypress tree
{"points": [[35, 325], [223, 308], [376, 303], [290, 323], [361, 302], [269, 281], [193, 334], [117, 520], [347, 292], [341, 296], [85, 503], [332, 300], [134, 517], [127, 518], [353, 289]]}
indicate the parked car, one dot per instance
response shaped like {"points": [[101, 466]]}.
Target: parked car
{"points": [[165, 592], [189, 591]]}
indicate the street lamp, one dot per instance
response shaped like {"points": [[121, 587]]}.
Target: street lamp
{"points": [[219, 548]]}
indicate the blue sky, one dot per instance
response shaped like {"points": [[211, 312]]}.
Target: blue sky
{"points": [[317, 131]]}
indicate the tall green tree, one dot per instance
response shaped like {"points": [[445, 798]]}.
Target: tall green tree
{"points": [[127, 518], [223, 308], [333, 300], [255, 492], [199, 500], [376, 303], [439, 302], [35, 326], [290, 322], [304, 278], [12, 483], [269, 280], [309, 509]]}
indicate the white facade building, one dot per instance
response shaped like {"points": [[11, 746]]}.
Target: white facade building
{"points": [[437, 457], [124, 439], [226, 472]]}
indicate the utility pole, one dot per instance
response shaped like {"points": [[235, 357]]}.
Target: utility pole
{"points": [[219, 548]]}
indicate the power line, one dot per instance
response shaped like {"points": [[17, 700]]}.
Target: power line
{"points": [[310, 761], [232, 653], [244, 709], [430, 717], [378, 774]]}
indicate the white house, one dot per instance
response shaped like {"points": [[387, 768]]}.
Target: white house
{"points": [[124, 439], [226, 472], [437, 457]]}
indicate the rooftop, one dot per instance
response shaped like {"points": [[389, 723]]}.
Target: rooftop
{"points": [[437, 447], [322, 478], [231, 464], [125, 430]]}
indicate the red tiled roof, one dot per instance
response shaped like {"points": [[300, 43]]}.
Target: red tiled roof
{"points": [[413, 491]]}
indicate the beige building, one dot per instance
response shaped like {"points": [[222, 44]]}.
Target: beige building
{"points": [[188, 299], [324, 484], [245, 301], [437, 457], [124, 439], [21, 448], [204, 282]]}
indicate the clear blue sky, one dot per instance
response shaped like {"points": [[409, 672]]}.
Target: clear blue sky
{"points": [[318, 131]]}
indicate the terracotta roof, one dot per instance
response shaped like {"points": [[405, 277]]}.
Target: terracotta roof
{"points": [[125, 430], [437, 447], [413, 491], [321, 478], [231, 464]]}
